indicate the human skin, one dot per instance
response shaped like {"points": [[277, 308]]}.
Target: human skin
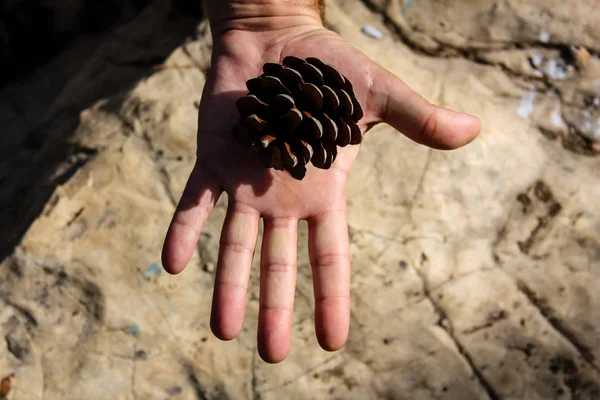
{"points": [[246, 34]]}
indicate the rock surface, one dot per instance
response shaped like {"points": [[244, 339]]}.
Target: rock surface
{"points": [[475, 272]]}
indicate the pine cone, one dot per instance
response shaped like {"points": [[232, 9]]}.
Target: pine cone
{"points": [[298, 112]]}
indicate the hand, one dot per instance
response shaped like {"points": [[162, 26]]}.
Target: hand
{"points": [[255, 192]]}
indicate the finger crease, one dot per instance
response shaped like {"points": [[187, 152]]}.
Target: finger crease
{"points": [[277, 307], [279, 267], [187, 226], [235, 285], [323, 215], [429, 130], [326, 298], [243, 212], [283, 222], [330, 260], [236, 247]]}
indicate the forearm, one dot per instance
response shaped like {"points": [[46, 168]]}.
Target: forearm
{"points": [[225, 15]]}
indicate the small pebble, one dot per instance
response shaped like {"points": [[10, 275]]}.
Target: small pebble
{"points": [[544, 37], [209, 267], [373, 32], [153, 269], [133, 330]]}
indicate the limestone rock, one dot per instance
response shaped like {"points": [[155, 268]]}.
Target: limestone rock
{"points": [[475, 272]]}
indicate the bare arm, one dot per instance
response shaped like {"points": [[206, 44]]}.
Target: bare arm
{"points": [[259, 15]]}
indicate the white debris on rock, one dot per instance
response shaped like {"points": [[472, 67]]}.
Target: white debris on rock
{"points": [[557, 119], [556, 70], [592, 130], [373, 32], [536, 60], [526, 105]]}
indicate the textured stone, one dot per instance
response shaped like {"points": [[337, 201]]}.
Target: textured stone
{"points": [[475, 272]]}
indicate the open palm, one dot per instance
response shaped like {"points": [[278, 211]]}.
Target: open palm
{"points": [[281, 200]]}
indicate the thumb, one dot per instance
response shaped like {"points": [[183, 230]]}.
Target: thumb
{"points": [[418, 119]]}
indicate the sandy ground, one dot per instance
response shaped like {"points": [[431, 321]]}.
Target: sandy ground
{"points": [[475, 272]]}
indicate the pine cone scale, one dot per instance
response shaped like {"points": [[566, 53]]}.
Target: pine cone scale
{"points": [[355, 134], [346, 107], [272, 69], [330, 129], [290, 121], [358, 113], [293, 62], [290, 77], [344, 133], [266, 140], [331, 101], [311, 74], [290, 158], [320, 154], [252, 105], [312, 97], [282, 102], [331, 75]]}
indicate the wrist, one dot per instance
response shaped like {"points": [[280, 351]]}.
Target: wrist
{"points": [[263, 15]]}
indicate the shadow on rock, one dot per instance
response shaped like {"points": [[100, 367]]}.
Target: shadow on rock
{"points": [[40, 112]]}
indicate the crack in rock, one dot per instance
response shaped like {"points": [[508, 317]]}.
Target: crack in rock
{"points": [[445, 323], [549, 315], [493, 318]]}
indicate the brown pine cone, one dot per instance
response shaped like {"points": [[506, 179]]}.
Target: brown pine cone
{"points": [[298, 112]]}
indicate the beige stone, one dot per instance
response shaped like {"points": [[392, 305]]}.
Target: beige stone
{"points": [[475, 272]]}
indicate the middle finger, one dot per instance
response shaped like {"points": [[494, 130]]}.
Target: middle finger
{"points": [[277, 287]]}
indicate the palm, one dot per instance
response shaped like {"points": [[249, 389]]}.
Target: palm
{"points": [[271, 193], [280, 200]]}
